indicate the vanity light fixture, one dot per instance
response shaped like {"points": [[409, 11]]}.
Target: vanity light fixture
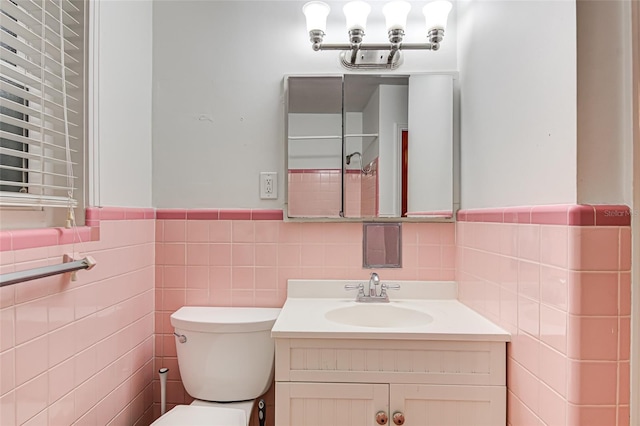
{"points": [[358, 55]]}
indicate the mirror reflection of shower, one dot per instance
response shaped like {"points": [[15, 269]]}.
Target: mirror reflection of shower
{"points": [[366, 170]]}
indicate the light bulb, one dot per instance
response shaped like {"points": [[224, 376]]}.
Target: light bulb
{"points": [[436, 14], [356, 13], [395, 14], [316, 13]]}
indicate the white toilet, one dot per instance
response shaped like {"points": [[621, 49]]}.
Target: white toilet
{"points": [[225, 356]]}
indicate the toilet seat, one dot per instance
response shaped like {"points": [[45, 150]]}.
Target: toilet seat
{"points": [[183, 415]]}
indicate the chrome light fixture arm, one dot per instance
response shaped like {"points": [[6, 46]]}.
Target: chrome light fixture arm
{"points": [[435, 37], [379, 46], [374, 55]]}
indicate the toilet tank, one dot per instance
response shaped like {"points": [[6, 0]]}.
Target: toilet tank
{"points": [[228, 354]]}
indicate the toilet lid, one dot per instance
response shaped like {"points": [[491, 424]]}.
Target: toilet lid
{"points": [[183, 415]]}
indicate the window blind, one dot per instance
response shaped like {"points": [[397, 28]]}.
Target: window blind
{"points": [[42, 101]]}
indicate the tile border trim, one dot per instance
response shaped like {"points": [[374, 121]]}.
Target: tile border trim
{"points": [[18, 239], [219, 214], [557, 214]]}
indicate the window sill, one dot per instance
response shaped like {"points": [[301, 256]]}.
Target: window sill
{"points": [[19, 239]]}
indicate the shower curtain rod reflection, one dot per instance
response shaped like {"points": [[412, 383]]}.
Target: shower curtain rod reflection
{"points": [[46, 271]]}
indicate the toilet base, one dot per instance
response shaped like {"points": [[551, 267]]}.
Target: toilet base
{"points": [[201, 413], [247, 406]]}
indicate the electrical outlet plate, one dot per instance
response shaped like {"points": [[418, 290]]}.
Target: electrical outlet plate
{"points": [[268, 185]]}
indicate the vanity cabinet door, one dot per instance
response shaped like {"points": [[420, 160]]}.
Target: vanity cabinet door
{"points": [[322, 404], [427, 405]]}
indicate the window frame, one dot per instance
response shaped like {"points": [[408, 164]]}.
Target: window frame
{"points": [[18, 217]]}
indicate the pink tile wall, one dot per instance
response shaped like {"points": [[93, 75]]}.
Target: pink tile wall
{"points": [[315, 193], [557, 277], [318, 193], [353, 194], [80, 352], [560, 283], [369, 196], [248, 263]]}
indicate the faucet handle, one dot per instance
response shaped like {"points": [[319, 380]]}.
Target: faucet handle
{"points": [[354, 286], [359, 287], [386, 286]]}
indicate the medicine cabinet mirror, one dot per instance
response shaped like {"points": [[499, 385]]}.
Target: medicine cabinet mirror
{"points": [[370, 147]]}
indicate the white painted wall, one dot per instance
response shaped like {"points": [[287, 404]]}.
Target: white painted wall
{"points": [[218, 115], [530, 134], [545, 119], [517, 63], [371, 126], [605, 99], [124, 102], [317, 153], [353, 126]]}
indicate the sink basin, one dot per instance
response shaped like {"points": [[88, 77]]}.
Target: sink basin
{"points": [[378, 315]]}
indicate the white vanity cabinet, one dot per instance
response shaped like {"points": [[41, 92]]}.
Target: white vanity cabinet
{"points": [[345, 382]]}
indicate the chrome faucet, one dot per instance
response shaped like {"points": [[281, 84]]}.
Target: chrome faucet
{"points": [[374, 282], [372, 295]]}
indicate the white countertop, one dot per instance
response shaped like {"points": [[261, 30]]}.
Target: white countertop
{"points": [[303, 314]]}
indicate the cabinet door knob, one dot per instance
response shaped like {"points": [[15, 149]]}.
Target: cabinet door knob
{"points": [[398, 418], [381, 418]]}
